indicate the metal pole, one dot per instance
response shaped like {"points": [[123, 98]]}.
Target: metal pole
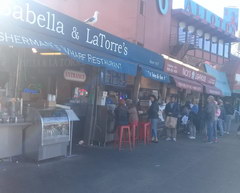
{"points": [[71, 136]]}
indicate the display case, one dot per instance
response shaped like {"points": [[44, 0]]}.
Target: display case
{"points": [[49, 135]]}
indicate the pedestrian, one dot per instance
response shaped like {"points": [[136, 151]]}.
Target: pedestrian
{"points": [[172, 112], [228, 116], [153, 116], [193, 116], [215, 125], [132, 111], [220, 123], [121, 114], [210, 118]]}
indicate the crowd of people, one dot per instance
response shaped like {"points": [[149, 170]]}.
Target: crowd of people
{"points": [[212, 120]]}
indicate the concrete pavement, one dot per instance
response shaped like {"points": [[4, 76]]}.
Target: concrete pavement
{"points": [[167, 167]]}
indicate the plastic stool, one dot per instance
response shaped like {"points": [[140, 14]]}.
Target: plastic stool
{"points": [[121, 132], [134, 127], [145, 132]]}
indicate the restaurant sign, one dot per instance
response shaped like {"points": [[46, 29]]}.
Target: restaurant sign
{"points": [[74, 75], [182, 71], [211, 18], [35, 17]]}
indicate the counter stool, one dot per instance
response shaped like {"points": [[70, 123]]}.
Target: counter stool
{"points": [[134, 127], [145, 132], [122, 131]]}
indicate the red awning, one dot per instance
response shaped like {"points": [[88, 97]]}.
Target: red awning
{"points": [[212, 90], [187, 84]]}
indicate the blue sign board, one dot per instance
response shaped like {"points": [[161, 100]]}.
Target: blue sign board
{"points": [[40, 19], [209, 17], [158, 75], [16, 36]]}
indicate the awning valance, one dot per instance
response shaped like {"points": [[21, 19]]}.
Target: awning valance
{"points": [[212, 90], [221, 80], [154, 74], [187, 84]]}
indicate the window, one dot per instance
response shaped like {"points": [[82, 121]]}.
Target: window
{"points": [[220, 47], [199, 39], [141, 7], [207, 42], [214, 48], [191, 35], [226, 50], [182, 32]]}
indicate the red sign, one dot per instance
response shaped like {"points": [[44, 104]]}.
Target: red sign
{"points": [[177, 69], [74, 75]]}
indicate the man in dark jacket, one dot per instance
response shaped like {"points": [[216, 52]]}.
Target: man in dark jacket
{"points": [[228, 116], [121, 114], [153, 116], [210, 118], [172, 112]]}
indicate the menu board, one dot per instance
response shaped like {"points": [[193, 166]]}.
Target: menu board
{"points": [[113, 78]]}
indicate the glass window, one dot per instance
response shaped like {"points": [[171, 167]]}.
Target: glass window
{"points": [[214, 48], [199, 42], [207, 42], [181, 35], [220, 47], [226, 50], [191, 38]]}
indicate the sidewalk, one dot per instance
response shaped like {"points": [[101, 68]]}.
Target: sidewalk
{"points": [[184, 166]]}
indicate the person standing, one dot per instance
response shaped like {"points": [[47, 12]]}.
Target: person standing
{"points": [[153, 116], [193, 119], [172, 112], [220, 123], [228, 116], [210, 118]]}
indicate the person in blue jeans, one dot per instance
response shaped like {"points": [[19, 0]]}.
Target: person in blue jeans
{"points": [[210, 118], [153, 116]]}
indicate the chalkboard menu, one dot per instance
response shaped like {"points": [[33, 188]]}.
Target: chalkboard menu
{"points": [[113, 78]]}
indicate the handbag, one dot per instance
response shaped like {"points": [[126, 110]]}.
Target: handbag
{"points": [[171, 122]]}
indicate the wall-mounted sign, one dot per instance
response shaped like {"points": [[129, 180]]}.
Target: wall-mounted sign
{"points": [[209, 17], [177, 69], [74, 75], [163, 6], [34, 17]]}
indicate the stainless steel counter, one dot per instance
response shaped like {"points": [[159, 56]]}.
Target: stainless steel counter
{"points": [[11, 138]]}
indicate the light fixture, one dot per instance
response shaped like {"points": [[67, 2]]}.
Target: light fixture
{"points": [[207, 36], [199, 32], [51, 53], [34, 50], [191, 28], [182, 25], [214, 39]]}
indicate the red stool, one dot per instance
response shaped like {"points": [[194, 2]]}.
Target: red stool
{"points": [[134, 127], [145, 132], [122, 131]]}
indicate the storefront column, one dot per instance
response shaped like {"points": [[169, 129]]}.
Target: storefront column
{"points": [[137, 84], [164, 92]]}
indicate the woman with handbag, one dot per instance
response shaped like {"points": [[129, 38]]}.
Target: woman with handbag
{"points": [[172, 111]]}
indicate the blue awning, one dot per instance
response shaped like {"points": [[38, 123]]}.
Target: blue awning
{"points": [[221, 80], [15, 36], [154, 74]]}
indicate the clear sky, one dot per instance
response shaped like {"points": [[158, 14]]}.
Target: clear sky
{"points": [[215, 6]]}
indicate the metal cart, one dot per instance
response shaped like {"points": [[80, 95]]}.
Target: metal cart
{"points": [[49, 135]]}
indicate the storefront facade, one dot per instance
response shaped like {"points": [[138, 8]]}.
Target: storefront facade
{"points": [[75, 62]]}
